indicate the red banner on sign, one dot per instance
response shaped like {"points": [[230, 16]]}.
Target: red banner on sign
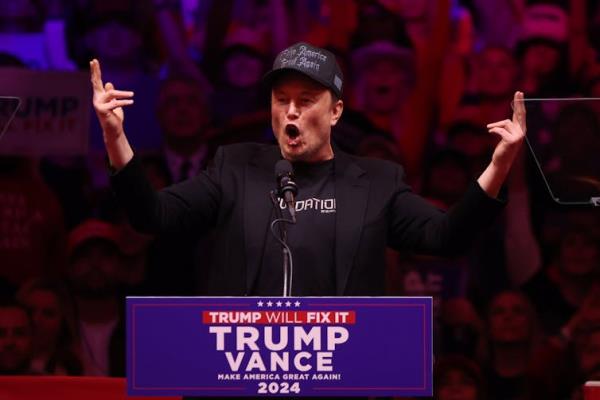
{"points": [[278, 317]]}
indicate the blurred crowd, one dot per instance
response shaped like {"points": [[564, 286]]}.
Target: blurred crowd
{"points": [[518, 317]]}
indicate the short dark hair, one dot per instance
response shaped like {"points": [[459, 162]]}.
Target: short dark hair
{"points": [[334, 96]]}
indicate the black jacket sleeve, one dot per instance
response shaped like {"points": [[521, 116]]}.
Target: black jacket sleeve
{"points": [[419, 226], [192, 204]]}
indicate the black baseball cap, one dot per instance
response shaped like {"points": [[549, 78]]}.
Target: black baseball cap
{"points": [[316, 63]]}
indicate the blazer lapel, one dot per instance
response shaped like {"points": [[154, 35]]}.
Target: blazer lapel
{"points": [[259, 180], [351, 193]]}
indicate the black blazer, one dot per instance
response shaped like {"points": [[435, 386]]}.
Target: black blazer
{"points": [[375, 209]]}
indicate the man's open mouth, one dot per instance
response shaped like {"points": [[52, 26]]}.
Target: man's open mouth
{"points": [[292, 131]]}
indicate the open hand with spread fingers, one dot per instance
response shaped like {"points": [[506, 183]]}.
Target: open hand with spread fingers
{"points": [[108, 103]]}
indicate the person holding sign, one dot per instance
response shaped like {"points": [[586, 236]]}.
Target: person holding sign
{"points": [[348, 209]]}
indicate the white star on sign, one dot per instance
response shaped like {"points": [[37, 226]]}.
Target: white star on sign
{"points": [[260, 303], [288, 303], [279, 304], [269, 303], [297, 304]]}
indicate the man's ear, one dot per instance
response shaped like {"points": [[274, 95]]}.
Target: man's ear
{"points": [[337, 109]]}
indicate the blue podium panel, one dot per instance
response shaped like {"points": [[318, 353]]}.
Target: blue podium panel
{"points": [[275, 346]]}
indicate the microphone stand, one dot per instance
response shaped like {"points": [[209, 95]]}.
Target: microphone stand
{"points": [[288, 264]]}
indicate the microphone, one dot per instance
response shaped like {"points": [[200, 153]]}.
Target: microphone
{"points": [[286, 187]]}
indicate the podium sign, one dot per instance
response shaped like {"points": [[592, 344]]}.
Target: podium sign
{"points": [[274, 346]]}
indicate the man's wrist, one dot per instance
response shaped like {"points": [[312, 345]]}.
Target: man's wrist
{"points": [[492, 179], [112, 139], [502, 168]]}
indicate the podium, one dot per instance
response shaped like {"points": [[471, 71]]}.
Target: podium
{"points": [[274, 346]]}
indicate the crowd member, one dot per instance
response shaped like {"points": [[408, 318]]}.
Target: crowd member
{"points": [[564, 361], [95, 260], [513, 336], [494, 80], [542, 51], [461, 330], [54, 339], [15, 339], [571, 275], [244, 58], [458, 378], [384, 75], [185, 119], [400, 100]]}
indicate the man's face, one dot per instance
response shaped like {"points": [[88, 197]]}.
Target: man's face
{"points": [[386, 86], [578, 255], [243, 69], [15, 340], [540, 59], [182, 111], [46, 314], [497, 73], [509, 319], [302, 114], [94, 269]]}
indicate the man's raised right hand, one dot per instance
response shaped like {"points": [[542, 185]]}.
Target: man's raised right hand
{"points": [[108, 103]]}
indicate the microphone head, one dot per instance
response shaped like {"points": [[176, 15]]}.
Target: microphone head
{"points": [[283, 168], [284, 174]]}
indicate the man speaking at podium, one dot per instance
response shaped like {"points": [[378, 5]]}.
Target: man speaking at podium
{"points": [[348, 208]]}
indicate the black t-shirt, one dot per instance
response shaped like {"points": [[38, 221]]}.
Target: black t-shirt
{"points": [[311, 240]]}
